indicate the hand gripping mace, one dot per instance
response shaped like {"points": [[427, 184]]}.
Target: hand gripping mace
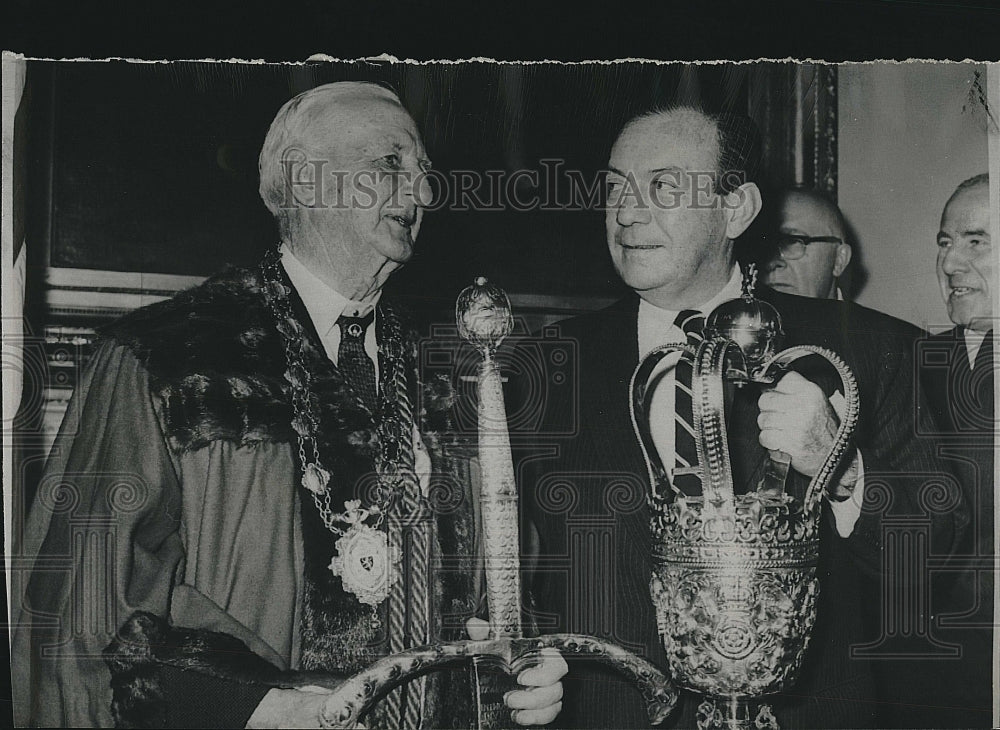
{"points": [[484, 319]]}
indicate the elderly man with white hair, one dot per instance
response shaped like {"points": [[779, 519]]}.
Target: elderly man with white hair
{"points": [[237, 502]]}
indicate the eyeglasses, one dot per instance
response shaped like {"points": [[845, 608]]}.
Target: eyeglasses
{"points": [[791, 247]]}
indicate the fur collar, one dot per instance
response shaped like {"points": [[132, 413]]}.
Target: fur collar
{"points": [[216, 364]]}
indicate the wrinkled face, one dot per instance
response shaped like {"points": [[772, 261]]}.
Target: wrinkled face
{"points": [[373, 186], [813, 275], [965, 259], [666, 229]]}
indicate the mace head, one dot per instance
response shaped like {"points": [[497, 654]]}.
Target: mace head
{"points": [[483, 315], [751, 323]]}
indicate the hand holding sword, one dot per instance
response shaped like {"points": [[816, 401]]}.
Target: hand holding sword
{"points": [[484, 319], [541, 699]]}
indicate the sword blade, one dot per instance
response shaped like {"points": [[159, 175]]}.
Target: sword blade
{"points": [[499, 508]]}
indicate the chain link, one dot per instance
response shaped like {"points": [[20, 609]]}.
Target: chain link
{"points": [[305, 420]]}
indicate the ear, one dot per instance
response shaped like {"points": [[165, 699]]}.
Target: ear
{"points": [[742, 206], [844, 254], [299, 176]]}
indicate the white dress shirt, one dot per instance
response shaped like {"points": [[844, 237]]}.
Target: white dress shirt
{"points": [[973, 341], [325, 305], [656, 327]]}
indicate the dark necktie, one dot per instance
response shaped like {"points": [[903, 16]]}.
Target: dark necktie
{"points": [[353, 361], [686, 471]]}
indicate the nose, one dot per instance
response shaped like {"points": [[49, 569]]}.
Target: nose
{"points": [[412, 185], [632, 209], [956, 259], [774, 263]]}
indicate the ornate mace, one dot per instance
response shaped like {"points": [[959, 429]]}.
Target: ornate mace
{"points": [[734, 575], [484, 320]]}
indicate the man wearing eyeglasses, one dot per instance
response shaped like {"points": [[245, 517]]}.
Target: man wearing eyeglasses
{"points": [[810, 250]]}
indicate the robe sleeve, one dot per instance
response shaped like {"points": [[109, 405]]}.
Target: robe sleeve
{"points": [[101, 555], [101, 541]]}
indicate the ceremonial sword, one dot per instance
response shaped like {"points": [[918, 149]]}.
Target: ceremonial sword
{"points": [[484, 319]]}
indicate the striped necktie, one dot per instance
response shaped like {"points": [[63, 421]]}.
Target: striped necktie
{"points": [[686, 476]]}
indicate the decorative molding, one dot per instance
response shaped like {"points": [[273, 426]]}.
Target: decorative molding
{"points": [[825, 138], [102, 295]]}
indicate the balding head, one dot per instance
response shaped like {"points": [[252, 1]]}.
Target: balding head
{"points": [[677, 126], [975, 185], [809, 208], [803, 217]]}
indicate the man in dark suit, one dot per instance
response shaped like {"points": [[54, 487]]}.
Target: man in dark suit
{"points": [[957, 372], [678, 196]]}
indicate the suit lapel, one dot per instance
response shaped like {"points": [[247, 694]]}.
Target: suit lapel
{"points": [[300, 311], [984, 356], [977, 390], [612, 363], [618, 357]]}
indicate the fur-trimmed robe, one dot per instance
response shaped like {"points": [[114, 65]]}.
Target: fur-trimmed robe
{"points": [[173, 491]]}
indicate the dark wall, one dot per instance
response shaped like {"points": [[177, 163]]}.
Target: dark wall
{"points": [[153, 167]]}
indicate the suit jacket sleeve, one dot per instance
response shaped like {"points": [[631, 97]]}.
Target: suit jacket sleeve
{"points": [[903, 476]]}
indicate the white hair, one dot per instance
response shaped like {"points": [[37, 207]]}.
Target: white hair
{"points": [[291, 127]]}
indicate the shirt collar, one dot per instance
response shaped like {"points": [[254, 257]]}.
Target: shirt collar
{"points": [[323, 303], [655, 324], [973, 341]]}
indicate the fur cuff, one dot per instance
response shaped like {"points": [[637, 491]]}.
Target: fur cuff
{"points": [[147, 643]]}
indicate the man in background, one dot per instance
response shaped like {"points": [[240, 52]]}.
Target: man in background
{"points": [[958, 370], [810, 250]]}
